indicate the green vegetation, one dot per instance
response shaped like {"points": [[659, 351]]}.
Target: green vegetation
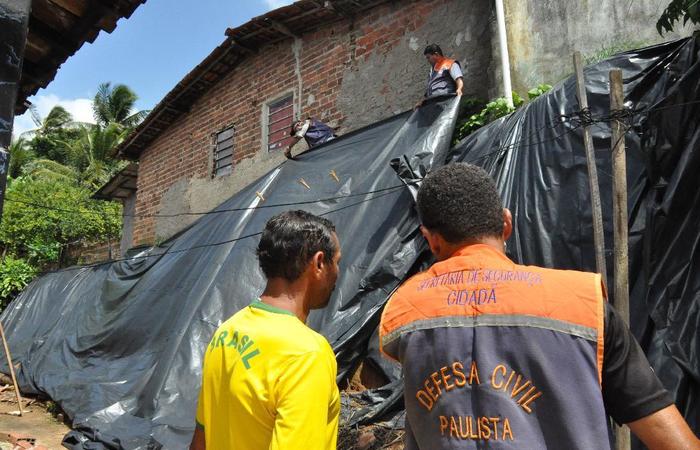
{"points": [[493, 110], [611, 49], [54, 170], [677, 11]]}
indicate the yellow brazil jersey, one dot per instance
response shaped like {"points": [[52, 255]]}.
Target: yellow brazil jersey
{"points": [[268, 382]]}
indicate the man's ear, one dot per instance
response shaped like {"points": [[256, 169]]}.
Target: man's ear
{"points": [[432, 239], [318, 261], [507, 224]]}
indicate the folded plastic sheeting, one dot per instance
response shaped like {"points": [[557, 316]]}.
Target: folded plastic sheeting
{"points": [[120, 346], [539, 162]]}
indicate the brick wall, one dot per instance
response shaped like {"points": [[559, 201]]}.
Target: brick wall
{"points": [[93, 252], [183, 151]]}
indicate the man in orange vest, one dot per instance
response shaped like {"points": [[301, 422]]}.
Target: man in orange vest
{"points": [[445, 74], [501, 355]]}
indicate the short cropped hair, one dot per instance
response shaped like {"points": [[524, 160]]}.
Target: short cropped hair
{"points": [[431, 49], [289, 241], [460, 202]]}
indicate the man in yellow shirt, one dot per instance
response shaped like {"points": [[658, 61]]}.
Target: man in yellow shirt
{"points": [[268, 380]]}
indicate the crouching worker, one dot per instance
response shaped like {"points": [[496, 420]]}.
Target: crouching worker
{"points": [[313, 131], [268, 380], [500, 355]]}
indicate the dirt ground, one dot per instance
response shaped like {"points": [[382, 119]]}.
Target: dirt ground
{"points": [[36, 422]]}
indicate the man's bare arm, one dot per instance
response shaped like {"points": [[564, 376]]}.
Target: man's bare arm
{"points": [[665, 430], [460, 85]]}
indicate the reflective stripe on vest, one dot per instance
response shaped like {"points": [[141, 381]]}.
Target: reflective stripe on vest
{"points": [[440, 81], [498, 352]]}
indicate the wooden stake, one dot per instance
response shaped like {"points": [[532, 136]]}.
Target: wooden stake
{"points": [[304, 183], [12, 369], [620, 222], [598, 237]]}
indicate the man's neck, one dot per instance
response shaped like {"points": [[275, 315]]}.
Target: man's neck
{"points": [[493, 242], [286, 295]]}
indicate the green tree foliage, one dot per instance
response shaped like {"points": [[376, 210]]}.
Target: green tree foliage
{"points": [[49, 139], [495, 109], [90, 153], [38, 234], [15, 274], [54, 170], [115, 105], [20, 155], [677, 11]]}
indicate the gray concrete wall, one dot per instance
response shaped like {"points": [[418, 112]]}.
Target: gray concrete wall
{"points": [[204, 194], [543, 34], [128, 212], [462, 30]]}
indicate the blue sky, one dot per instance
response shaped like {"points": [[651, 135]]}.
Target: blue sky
{"points": [[149, 52]]}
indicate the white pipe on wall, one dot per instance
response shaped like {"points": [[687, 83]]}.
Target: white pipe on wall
{"points": [[503, 41]]}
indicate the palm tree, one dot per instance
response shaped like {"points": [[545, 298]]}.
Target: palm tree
{"points": [[47, 169], [52, 132], [20, 155], [90, 153], [116, 105]]}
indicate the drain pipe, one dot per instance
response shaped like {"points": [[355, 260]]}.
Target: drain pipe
{"points": [[505, 63]]}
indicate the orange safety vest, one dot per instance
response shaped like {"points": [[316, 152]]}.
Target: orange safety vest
{"points": [[499, 352], [440, 81]]}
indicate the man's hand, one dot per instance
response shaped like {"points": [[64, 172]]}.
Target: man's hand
{"points": [[288, 153], [460, 86], [419, 104]]}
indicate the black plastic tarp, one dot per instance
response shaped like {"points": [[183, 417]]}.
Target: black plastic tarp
{"points": [[538, 160], [119, 346]]}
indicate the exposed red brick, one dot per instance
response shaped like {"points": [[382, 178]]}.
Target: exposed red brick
{"points": [[183, 151]]}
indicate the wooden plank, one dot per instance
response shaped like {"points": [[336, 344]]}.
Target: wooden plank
{"points": [[76, 7], [620, 222]]}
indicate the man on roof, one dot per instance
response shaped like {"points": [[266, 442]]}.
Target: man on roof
{"points": [[312, 130], [445, 74]]}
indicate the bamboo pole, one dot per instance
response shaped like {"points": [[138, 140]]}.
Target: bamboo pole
{"points": [[598, 237], [12, 369]]}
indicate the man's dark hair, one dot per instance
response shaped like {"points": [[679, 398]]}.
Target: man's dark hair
{"points": [[461, 202], [290, 240], [431, 49]]}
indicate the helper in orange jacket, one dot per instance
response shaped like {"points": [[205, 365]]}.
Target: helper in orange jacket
{"points": [[500, 355], [445, 74]]}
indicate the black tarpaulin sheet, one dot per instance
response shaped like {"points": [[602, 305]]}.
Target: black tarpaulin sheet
{"points": [[539, 163], [120, 346]]}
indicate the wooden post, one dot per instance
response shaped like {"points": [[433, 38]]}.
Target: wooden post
{"points": [[598, 237], [620, 221], [12, 369]]}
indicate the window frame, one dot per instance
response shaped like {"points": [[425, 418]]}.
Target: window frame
{"points": [[217, 140], [265, 120]]}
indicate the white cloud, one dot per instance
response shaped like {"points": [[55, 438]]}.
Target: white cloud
{"points": [[274, 4], [80, 109]]}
